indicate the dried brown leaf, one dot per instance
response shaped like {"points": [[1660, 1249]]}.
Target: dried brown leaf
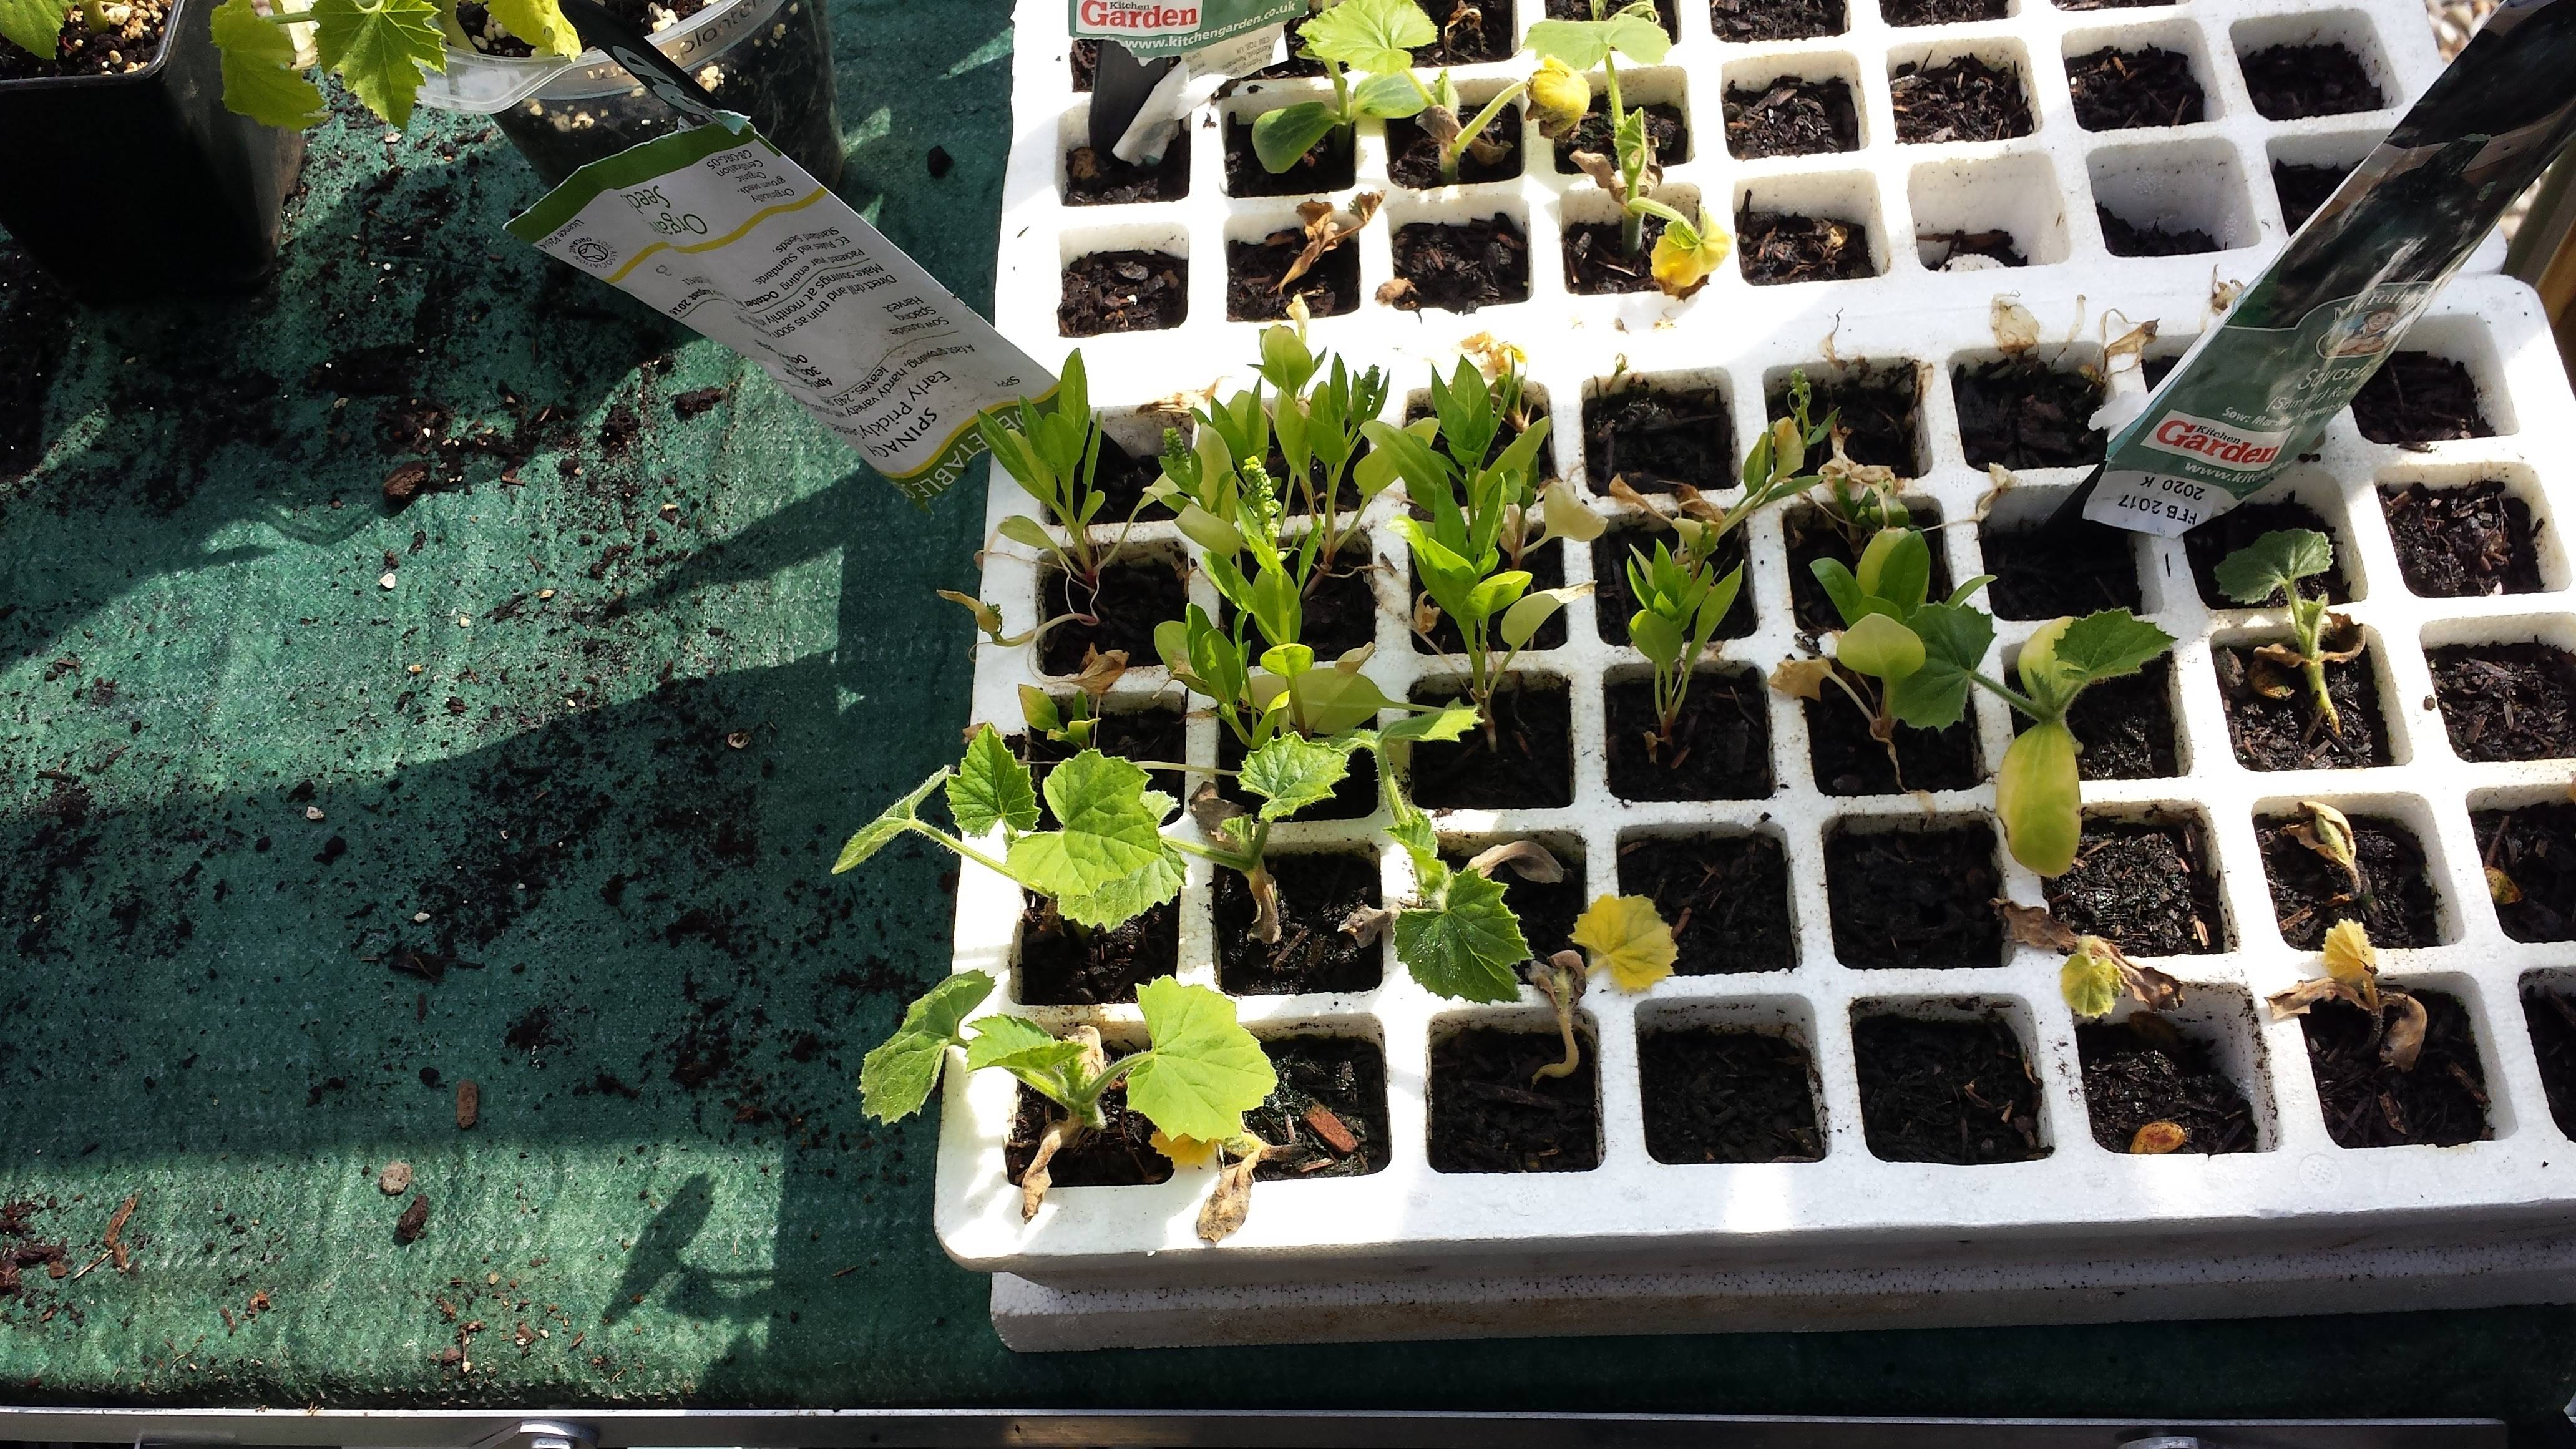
{"points": [[2406, 1022], [1099, 671], [1231, 1201], [2297, 1000], [1367, 923], [1396, 292], [1528, 859], [2501, 889], [2034, 926], [1323, 233], [1802, 678]]}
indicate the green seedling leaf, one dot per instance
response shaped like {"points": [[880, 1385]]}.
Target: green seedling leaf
{"points": [[2062, 656], [1021, 529], [2039, 798], [36, 27], [540, 23], [2274, 563], [1881, 648], [1280, 137], [897, 1077], [899, 817], [1292, 772], [1955, 638], [1330, 701], [1521, 622], [1850, 599], [1109, 862], [1012, 1041], [1369, 35], [261, 78], [991, 787], [1390, 96], [1448, 722], [1896, 567], [1467, 946], [1584, 44], [1038, 709], [1204, 1070], [1658, 638], [379, 49]]}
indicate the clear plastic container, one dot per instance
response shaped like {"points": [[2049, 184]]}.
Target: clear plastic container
{"points": [[771, 60]]}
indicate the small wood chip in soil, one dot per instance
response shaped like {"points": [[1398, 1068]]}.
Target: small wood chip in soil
{"points": [[2116, 90], [1945, 1091], [2419, 397], [1914, 898], [1327, 1115], [2440, 1101], [1131, 291], [1718, 1095], [2394, 902], [1965, 100], [1791, 116], [395, 1180], [2507, 701], [114, 1239], [1488, 1114], [469, 1103], [2145, 1071], [2463, 542], [1780, 247], [2296, 82]]}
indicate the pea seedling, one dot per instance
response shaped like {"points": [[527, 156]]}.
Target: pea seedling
{"points": [[1369, 36], [2277, 563], [1568, 50], [1197, 1076]]}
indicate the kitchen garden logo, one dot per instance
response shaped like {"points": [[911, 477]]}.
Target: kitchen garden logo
{"points": [[2216, 443], [1135, 17]]}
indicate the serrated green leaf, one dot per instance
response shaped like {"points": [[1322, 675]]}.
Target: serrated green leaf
{"points": [[1280, 137], [379, 48], [991, 787], [1448, 722], [1370, 35], [1013, 1042], [896, 1078], [2274, 563], [540, 23], [898, 818], [261, 79], [1124, 899], [2063, 656], [1292, 772], [1468, 945], [1204, 1070], [1109, 855], [1580, 44], [1955, 638]]}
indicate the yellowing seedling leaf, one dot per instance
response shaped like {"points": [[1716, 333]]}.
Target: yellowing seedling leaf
{"points": [[2155, 1139], [1203, 1071], [991, 787], [2353, 962], [1625, 936], [2090, 982], [540, 23], [1185, 1151]]}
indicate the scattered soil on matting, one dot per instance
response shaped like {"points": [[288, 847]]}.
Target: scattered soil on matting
{"points": [[1326, 166], [1914, 898], [1096, 178], [2213, 541], [1527, 764], [2146, 1070], [1613, 601], [1725, 896], [2552, 1019], [2462, 542], [2418, 397], [1667, 130], [1874, 404], [1791, 116], [1123, 292], [1777, 247], [1317, 893], [1812, 536], [1253, 291], [2295, 82], [2303, 189], [1721, 743], [1461, 268], [1715, 1095], [2440, 1102], [2119, 90], [2081, 567], [2022, 413], [1740, 21], [1848, 761], [1134, 595], [2507, 701], [1413, 158], [1546, 567], [2535, 847], [2125, 726], [1598, 262], [1945, 1091], [2144, 886], [1654, 437], [1062, 964], [2290, 732], [1965, 100], [1327, 1116], [1120, 1155], [2123, 238], [2393, 901], [1489, 1115]]}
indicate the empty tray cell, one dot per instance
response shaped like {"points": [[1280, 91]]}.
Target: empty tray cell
{"points": [[2420, 397], [1809, 228], [2393, 899], [1123, 291], [2080, 567], [1413, 157], [2008, 211], [1943, 1089], [1742, 21], [1547, 909], [1257, 282], [2506, 701], [1719, 746], [1942, 12], [1914, 897], [2463, 541], [1327, 1116], [1490, 1112], [2025, 414], [2124, 80], [1524, 761], [1121, 1154], [1716, 1093], [1613, 600], [1654, 432], [2177, 199], [1325, 166], [1595, 240], [1062, 964], [2213, 541], [2440, 1101], [2148, 885], [1316, 892], [2273, 718], [2147, 1074], [1877, 405], [1544, 564], [1803, 107], [1470, 31], [2314, 64], [2549, 1009], [1097, 178], [1957, 92], [1117, 609], [2533, 849], [2126, 726], [1460, 267], [1725, 896]]}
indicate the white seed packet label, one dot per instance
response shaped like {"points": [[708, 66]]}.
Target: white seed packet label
{"points": [[715, 228]]}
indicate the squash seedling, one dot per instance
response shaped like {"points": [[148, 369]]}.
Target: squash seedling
{"points": [[1568, 50], [1622, 935], [2277, 563], [2398, 1020], [1372, 37], [378, 49], [36, 26], [1198, 1074]]}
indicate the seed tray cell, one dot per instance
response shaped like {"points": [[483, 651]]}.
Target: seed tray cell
{"points": [[1369, 1256]]}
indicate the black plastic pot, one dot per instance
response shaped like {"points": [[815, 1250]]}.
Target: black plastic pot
{"points": [[141, 184]]}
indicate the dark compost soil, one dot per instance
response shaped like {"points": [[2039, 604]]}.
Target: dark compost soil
{"points": [[1965, 100], [1488, 1115], [1470, 31], [1122, 478], [2290, 733], [2551, 1016], [1725, 896], [1325, 1083], [2507, 701], [1945, 1091], [1739, 21], [1461, 268], [2303, 189], [2081, 567], [1914, 898], [2535, 847], [1847, 761], [2440, 1102], [1326, 166], [2119, 90], [1715, 1095], [1939, 12], [2124, 238], [1253, 270], [2125, 726], [2144, 886], [78, 50], [1062, 964], [1791, 116], [2213, 541], [2023, 413], [2463, 542], [1530, 765], [2146, 1070], [1413, 158], [1776, 247], [1123, 292], [1136, 593], [1667, 130], [1096, 178], [1598, 262], [2310, 893], [1721, 744], [1317, 893], [2295, 82], [1655, 437], [1613, 601], [2417, 397]]}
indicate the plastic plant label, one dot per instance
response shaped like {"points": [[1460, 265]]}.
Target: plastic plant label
{"points": [[1151, 28], [2259, 388], [715, 228]]}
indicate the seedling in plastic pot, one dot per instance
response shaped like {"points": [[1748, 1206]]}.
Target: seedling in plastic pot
{"points": [[1623, 936], [2352, 975], [1199, 1073], [1681, 600], [36, 26], [1373, 37], [378, 49], [2279, 562], [1568, 50]]}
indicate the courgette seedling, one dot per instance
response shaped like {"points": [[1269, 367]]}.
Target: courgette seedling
{"points": [[36, 26], [1198, 1074], [2398, 1019], [1624, 936], [2277, 563], [1568, 51], [378, 48], [1373, 37]]}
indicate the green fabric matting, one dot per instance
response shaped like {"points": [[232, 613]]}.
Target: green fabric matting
{"points": [[236, 772]]}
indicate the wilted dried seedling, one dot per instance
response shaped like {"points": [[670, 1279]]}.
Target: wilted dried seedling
{"points": [[2352, 975], [1323, 233], [1621, 935]]}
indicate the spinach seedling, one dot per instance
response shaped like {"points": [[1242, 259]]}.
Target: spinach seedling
{"points": [[1053, 453], [1622, 935], [2352, 975], [1370, 36], [2277, 563], [1468, 418], [1315, 415], [1681, 600], [1568, 50], [1198, 1074]]}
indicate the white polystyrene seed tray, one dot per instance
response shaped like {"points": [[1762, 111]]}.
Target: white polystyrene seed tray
{"points": [[1359, 1240]]}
